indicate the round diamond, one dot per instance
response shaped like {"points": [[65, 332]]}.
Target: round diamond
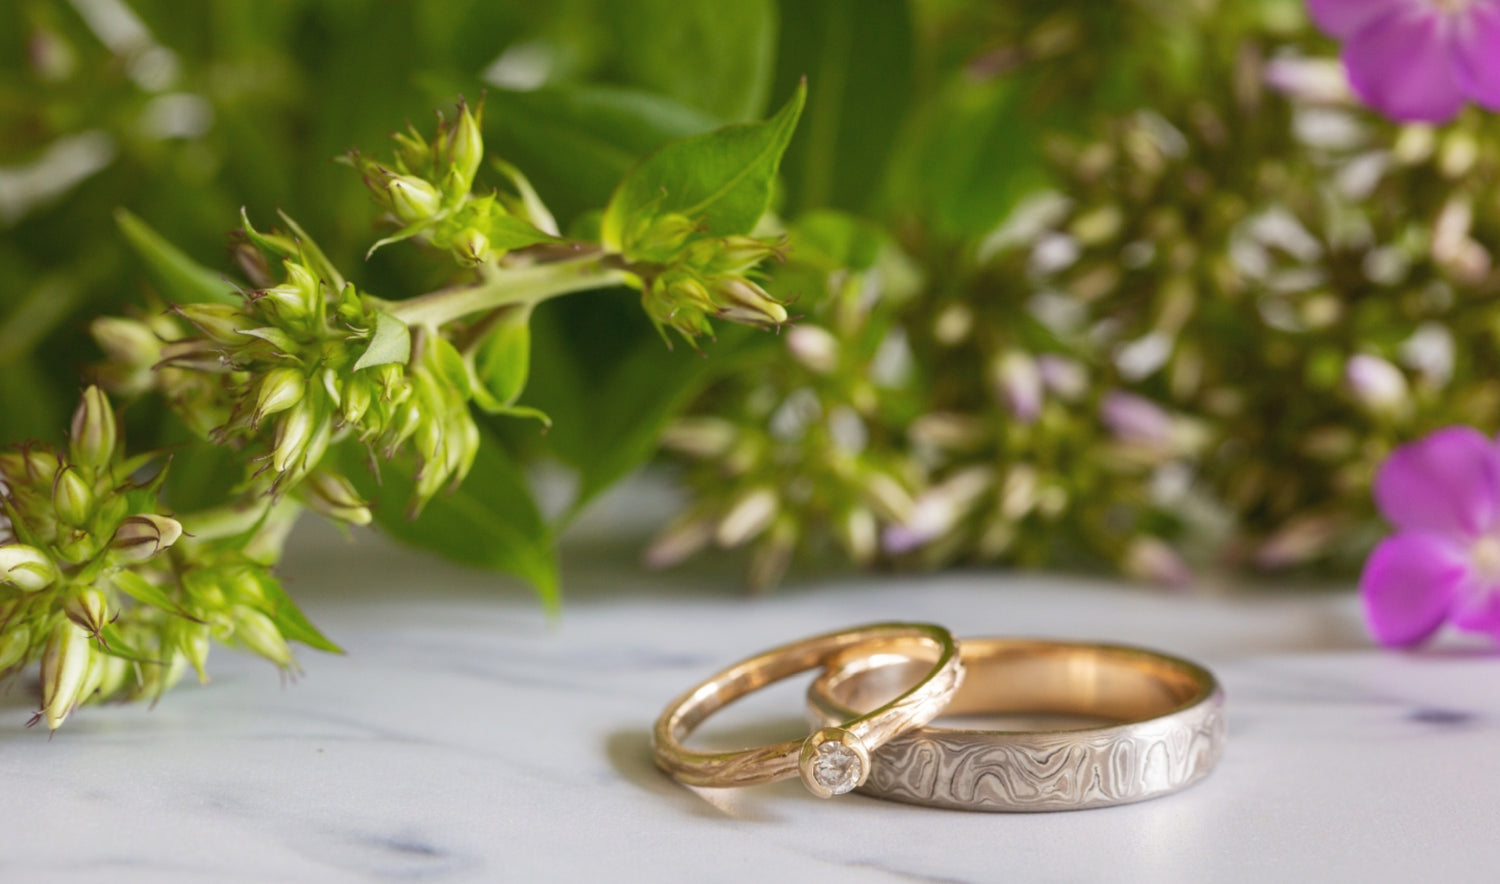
{"points": [[836, 767]]}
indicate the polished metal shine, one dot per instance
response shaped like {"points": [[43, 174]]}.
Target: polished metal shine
{"points": [[836, 758], [1155, 724]]}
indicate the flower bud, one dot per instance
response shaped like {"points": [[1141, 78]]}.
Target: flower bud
{"points": [[15, 641], [280, 389], [748, 517], [87, 609], [334, 496], [413, 199], [1136, 420], [466, 145], [1019, 385], [748, 303], [259, 635], [356, 401], [140, 538], [1150, 559], [126, 341], [220, 323], [699, 437], [814, 347], [859, 534], [886, 496], [91, 440], [65, 666], [293, 433], [473, 246], [72, 497], [1376, 384], [35, 467], [681, 538], [192, 641]]}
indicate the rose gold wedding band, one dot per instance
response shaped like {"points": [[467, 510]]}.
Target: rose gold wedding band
{"points": [[1163, 731], [836, 758]]}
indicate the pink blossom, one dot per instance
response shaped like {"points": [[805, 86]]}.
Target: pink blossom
{"points": [[1442, 493], [1418, 60]]}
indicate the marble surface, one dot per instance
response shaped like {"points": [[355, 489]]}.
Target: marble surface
{"points": [[465, 737]]}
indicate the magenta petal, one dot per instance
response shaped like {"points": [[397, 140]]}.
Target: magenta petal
{"points": [[1476, 607], [1447, 482], [1344, 18], [1408, 586], [1477, 43], [1403, 65]]}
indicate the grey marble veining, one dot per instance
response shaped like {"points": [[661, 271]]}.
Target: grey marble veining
{"points": [[465, 737]]}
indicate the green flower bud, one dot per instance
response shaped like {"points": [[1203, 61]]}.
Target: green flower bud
{"points": [[220, 323], [192, 641], [86, 608], [15, 641], [92, 437], [356, 401], [750, 515], [413, 199], [297, 298], [748, 303], [259, 635], [814, 347], [293, 433], [413, 153], [107, 676], [72, 497], [473, 246], [466, 145], [126, 341], [34, 467], [65, 666], [334, 496], [280, 389], [141, 538]]}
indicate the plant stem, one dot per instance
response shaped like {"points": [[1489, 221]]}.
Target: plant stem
{"points": [[520, 285]]}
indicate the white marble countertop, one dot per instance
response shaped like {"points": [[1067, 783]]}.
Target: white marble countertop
{"points": [[466, 738]]}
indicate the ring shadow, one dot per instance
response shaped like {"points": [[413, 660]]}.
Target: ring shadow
{"points": [[629, 753]]}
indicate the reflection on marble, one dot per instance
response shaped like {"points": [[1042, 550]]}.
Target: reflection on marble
{"points": [[466, 738]]}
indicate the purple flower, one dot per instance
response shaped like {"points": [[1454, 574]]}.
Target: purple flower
{"points": [[1418, 59], [1443, 565]]}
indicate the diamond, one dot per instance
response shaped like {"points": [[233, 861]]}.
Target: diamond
{"points": [[837, 767]]}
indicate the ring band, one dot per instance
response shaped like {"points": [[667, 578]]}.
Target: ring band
{"points": [[1165, 727], [834, 759]]}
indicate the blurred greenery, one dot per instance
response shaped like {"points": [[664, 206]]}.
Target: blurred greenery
{"points": [[926, 115]]}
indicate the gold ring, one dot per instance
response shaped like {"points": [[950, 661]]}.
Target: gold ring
{"points": [[834, 759], [1156, 725]]}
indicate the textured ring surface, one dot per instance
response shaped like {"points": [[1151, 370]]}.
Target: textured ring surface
{"points": [[832, 760], [1156, 726]]}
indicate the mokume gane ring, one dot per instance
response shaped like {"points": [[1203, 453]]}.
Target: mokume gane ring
{"points": [[1165, 727], [834, 759]]}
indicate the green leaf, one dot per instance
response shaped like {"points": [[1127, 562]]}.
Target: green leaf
{"points": [[715, 56], [608, 411], [831, 240], [501, 360], [508, 232], [723, 177], [289, 619], [859, 58], [114, 644], [391, 342], [181, 279], [490, 521], [144, 591], [970, 155], [576, 142]]}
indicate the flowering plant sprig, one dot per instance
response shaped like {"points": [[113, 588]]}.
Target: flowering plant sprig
{"points": [[116, 598]]}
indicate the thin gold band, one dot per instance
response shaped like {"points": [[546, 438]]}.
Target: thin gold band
{"points": [[1165, 727], [834, 759]]}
